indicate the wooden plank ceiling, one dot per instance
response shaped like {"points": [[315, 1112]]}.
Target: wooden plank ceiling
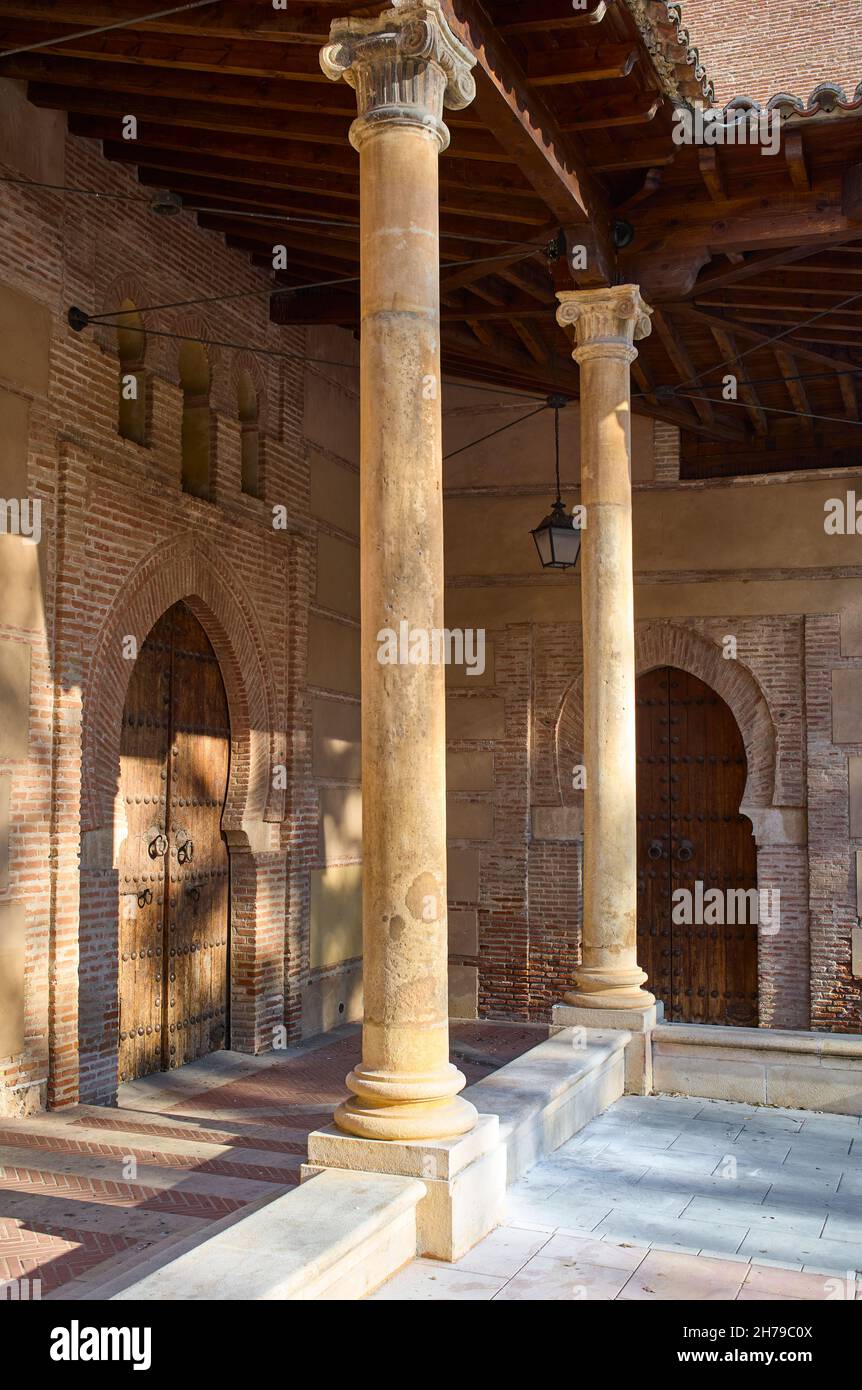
{"points": [[569, 137]]}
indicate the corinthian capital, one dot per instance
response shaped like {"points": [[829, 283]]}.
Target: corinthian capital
{"points": [[405, 67], [607, 322]]}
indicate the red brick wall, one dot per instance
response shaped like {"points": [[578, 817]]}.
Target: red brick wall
{"points": [[836, 997], [771, 46], [122, 541]]}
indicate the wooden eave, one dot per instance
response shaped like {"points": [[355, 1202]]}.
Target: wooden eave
{"points": [[571, 133]]}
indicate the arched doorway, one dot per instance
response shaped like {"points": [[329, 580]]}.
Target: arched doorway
{"points": [[698, 947], [173, 865]]}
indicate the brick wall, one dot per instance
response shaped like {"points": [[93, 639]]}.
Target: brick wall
{"points": [[757, 50], [121, 542], [836, 996]]}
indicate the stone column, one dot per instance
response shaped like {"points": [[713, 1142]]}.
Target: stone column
{"points": [[404, 67], [606, 322]]}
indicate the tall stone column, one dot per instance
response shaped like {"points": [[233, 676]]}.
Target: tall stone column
{"points": [[404, 67], [607, 322]]}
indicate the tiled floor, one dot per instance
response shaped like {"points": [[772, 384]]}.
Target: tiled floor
{"points": [[674, 1198], [90, 1193]]}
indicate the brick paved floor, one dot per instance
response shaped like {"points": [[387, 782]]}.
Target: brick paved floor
{"points": [[666, 1197], [89, 1193]]}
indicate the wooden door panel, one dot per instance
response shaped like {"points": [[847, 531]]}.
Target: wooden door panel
{"points": [[200, 758], [712, 972], [654, 942], [174, 883], [141, 862]]}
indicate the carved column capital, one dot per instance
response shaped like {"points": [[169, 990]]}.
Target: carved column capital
{"points": [[607, 322], [405, 67]]}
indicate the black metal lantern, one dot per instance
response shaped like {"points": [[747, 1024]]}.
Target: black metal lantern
{"points": [[558, 539]]}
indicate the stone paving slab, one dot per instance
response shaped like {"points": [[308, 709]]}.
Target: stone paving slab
{"points": [[666, 1197]]}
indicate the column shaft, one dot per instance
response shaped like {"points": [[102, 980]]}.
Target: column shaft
{"points": [[405, 1086], [609, 976]]}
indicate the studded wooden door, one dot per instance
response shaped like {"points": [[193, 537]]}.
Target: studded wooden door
{"points": [[691, 772], [174, 884]]}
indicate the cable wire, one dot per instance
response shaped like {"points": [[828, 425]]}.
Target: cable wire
{"points": [[86, 192], [106, 28], [777, 410], [509, 424]]}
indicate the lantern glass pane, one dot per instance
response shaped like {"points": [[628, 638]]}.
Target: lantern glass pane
{"points": [[542, 537], [567, 545]]}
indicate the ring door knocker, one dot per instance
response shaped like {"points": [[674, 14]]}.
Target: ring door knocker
{"points": [[185, 848], [685, 851], [655, 849], [158, 846]]}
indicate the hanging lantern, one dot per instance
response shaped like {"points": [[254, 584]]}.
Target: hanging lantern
{"points": [[558, 539]]}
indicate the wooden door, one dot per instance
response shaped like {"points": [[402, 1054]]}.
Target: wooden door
{"points": [[174, 884], [691, 773]]}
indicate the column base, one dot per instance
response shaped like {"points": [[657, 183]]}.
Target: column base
{"points": [[464, 1177], [607, 989], [411, 1120], [638, 1021]]}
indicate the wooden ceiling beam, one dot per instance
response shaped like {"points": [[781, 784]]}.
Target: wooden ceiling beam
{"points": [[568, 66], [213, 116], [727, 348], [683, 365], [271, 88], [849, 395], [532, 341], [291, 154], [529, 133], [794, 158], [615, 112], [755, 265], [796, 222], [785, 306], [204, 53], [548, 16], [708, 320], [795, 387], [239, 19], [712, 174], [160, 167]]}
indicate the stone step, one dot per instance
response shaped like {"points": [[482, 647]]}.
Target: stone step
{"points": [[52, 1135], [338, 1236], [46, 1210], [104, 1280], [235, 1131], [30, 1160]]}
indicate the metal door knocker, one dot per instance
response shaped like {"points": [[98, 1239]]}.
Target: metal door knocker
{"points": [[655, 849], [185, 852], [145, 898], [158, 847], [194, 893], [685, 851]]}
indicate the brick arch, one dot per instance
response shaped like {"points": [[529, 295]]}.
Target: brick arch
{"points": [[246, 362], [133, 287], [190, 571], [664, 644]]}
